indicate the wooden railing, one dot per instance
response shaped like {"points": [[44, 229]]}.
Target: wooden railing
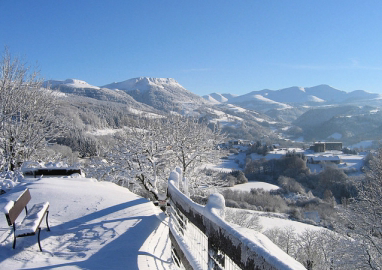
{"points": [[201, 239]]}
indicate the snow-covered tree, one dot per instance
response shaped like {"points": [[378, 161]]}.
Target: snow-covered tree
{"points": [[26, 112], [364, 214], [154, 147], [192, 143], [145, 150]]}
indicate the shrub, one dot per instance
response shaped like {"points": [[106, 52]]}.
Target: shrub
{"points": [[290, 185]]}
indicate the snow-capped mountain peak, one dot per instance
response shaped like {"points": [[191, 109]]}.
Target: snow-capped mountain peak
{"points": [[144, 84], [75, 83], [160, 93]]}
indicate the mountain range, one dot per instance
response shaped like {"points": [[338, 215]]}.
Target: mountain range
{"points": [[292, 96], [294, 112]]}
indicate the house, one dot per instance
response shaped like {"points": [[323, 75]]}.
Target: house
{"points": [[333, 146], [326, 146], [318, 147]]}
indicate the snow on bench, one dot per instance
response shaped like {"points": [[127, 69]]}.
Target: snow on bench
{"points": [[32, 220]]}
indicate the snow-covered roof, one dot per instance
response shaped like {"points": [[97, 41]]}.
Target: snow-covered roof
{"points": [[325, 158]]}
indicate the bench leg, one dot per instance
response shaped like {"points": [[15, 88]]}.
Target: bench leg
{"points": [[14, 236], [38, 238], [47, 225]]}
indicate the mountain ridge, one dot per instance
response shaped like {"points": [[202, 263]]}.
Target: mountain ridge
{"points": [[319, 94]]}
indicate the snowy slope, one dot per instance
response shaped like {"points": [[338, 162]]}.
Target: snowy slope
{"points": [[75, 83], [219, 98], [94, 225], [144, 84], [210, 99], [81, 94], [256, 101], [160, 93]]}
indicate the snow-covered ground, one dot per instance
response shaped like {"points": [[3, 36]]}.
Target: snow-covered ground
{"points": [[94, 225], [258, 185], [363, 144], [277, 220], [103, 132], [231, 163]]}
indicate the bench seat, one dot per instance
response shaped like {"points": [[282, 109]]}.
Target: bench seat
{"points": [[32, 220]]}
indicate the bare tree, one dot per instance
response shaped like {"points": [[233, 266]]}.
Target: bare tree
{"points": [[26, 112]]}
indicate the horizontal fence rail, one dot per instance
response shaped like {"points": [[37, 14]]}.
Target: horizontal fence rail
{"points": [[201, 239]]}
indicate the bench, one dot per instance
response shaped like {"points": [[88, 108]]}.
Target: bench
{"points": [[32, 220], [50, 171]]}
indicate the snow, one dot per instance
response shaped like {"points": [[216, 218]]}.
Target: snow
{"points": [[216, 204], [272, 222], [8, 206], [144, 84], [362, 144], [79, 84], [217, 98], [144, 114], [257, 185], [94, 225], [211, 99], [278, 220], [32, 221], [75, 83], [315, 99], [336, 136], [236, 108], [103, 132], [231, 163], [264, 99]]}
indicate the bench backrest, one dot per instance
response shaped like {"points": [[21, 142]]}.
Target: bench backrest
{"points": [[18, 207]]}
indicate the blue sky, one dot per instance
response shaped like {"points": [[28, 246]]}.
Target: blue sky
{"points": [[207, 46]]}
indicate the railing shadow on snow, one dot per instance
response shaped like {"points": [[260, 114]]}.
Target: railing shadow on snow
{"points": [[201, 239]]}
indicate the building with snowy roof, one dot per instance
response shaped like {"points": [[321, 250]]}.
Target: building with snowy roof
{"points": [[326, 146]]}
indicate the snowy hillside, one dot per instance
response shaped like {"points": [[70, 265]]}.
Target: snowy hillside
{"points": [[160, 93], [349, 124], [256, 101], [144, 84], [106, 227], [75, 83], [217, 98]]}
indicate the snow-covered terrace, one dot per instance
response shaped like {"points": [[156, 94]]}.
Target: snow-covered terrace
{"points": [[94, 225]]}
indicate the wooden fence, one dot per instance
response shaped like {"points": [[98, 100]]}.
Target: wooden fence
{"points": [[201, 239]]}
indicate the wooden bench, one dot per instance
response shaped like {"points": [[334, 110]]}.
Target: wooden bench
{"points": [[32, 220], [50, 171]]}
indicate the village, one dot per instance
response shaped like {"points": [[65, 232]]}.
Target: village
{"points": [[316, 156]]}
